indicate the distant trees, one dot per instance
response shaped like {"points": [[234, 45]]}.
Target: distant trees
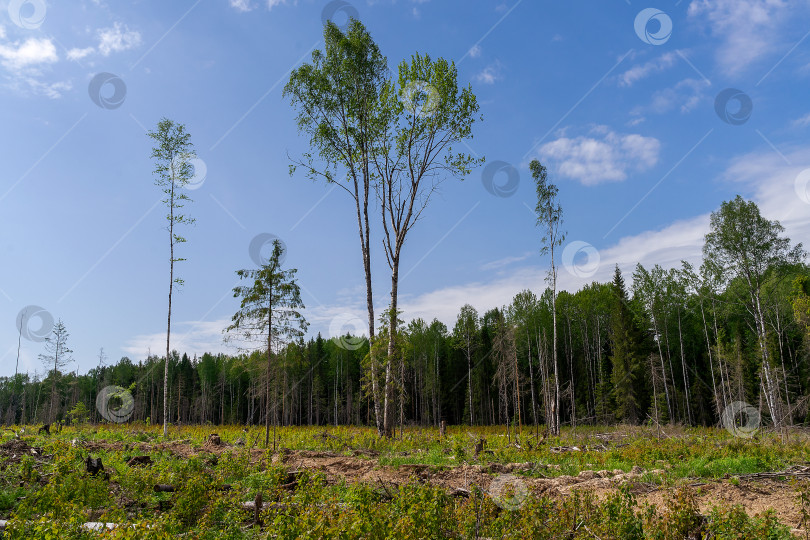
{"points": [[269, 313], [744, 246], [626, 341], [172, 155], [466, 338]]}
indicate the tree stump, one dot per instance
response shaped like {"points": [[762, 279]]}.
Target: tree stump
{"points": [[93, 465], [257, 509]]}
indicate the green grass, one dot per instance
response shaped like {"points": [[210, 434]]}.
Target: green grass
{"points": [[57, 495]]}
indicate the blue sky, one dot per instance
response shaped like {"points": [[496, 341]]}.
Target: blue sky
{"points": [[624, 101]]}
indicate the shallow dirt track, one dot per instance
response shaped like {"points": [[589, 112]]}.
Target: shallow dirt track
{"points": [[755, 496]]}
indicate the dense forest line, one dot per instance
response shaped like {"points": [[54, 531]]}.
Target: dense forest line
{"points": [[677, 345]]}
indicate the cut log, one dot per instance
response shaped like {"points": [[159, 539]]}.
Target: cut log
{"points": [[164, 488]]}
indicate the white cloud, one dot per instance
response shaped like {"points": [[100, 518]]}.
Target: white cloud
{"points": [[31, 53], [247, 5], [490, 74], [639, 72], [475, 51], [603, 156], [241, 5], [78, 54], [116, 39], [748, 29]]}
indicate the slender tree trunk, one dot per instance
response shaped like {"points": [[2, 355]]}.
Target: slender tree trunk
{"points": [[531, 379], [683, 370], [169, 316], [388, 415], [556, 402], [267, 378], [661, 358], [469, 378], [711, 360]]}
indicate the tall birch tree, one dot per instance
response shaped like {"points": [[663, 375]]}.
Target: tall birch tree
{"points": [[172, 154]]}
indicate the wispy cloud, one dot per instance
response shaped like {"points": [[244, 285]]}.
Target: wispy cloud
{"points": [[506, 261], [803, 121], [685, 96], [748, 29], [642, 71]]}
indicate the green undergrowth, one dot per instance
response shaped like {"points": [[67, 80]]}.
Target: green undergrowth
{"points": [[49, 494]]}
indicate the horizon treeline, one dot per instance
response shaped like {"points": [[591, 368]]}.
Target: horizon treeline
{"points": [[656, 345]]}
